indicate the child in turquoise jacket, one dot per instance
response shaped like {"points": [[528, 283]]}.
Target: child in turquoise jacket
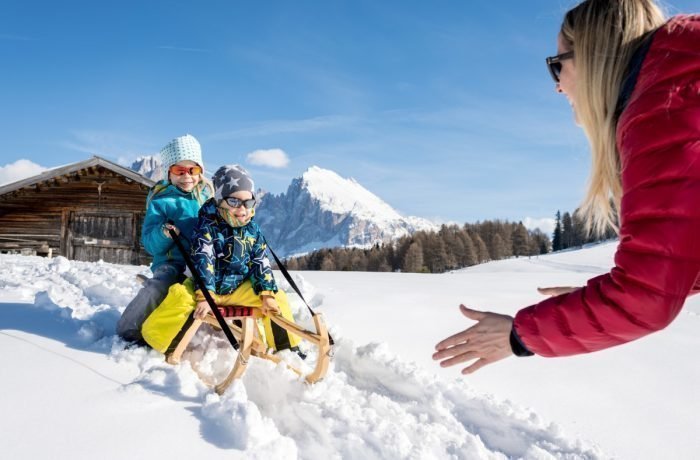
{"points": [[172, 204]]}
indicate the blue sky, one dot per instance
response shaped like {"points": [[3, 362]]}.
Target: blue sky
{"points": [[444, 109]]}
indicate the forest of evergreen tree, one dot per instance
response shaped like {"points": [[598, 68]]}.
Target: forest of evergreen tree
{"points": [[451, 247], [570, 232]]}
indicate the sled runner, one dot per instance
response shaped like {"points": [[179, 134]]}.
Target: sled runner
{"points": [[250, 343]]}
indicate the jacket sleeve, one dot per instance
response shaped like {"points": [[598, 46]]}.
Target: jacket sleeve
{"points": [[202, 250], [152, 236], [262, 277], [658, 258]]}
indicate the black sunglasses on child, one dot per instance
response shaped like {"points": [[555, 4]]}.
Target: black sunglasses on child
{"points": [[554, 64], [236, 203]]}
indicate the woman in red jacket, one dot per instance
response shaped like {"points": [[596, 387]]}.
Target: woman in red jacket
{"points": [[633, 80]]}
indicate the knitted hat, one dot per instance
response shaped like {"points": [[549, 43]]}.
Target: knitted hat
{"points": [[179, 149], [229, 179]]}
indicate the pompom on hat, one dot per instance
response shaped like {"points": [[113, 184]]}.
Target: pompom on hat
{"points": [[230, 179], [180, 149]]}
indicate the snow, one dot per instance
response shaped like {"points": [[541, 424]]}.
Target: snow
{"points": [[347, 196], [69, 380]]}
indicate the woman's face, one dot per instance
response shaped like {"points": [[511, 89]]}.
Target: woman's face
{"points": [[241, 213], [187, 181], [567, 77]]}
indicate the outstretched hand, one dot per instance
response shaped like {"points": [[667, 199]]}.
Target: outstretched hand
{"points": [[484, 343]]}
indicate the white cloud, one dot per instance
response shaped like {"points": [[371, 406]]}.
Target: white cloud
{"points": [[20, 169], [546, 224], [272, 158]]}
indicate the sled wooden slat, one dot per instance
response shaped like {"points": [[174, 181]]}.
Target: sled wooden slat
{"points": [[251, 344], [246, 346], [174, 357], [324, 351]]}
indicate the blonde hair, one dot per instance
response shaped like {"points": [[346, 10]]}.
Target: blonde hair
{"points": [[604, 35]]}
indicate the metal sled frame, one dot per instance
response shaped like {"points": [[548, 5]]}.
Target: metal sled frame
{"points": [[251, 344]]}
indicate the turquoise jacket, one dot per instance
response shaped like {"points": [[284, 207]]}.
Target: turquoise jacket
{"points": [[166, 202], [225, 256]]}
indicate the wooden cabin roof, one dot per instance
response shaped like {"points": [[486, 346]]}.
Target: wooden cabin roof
{"points": [[73, 168]]}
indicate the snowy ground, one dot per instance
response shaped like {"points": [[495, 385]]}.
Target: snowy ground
{"points": [[70, 389]]}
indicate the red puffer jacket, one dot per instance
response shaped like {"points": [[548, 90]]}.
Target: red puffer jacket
{"points": [[657, 263]]}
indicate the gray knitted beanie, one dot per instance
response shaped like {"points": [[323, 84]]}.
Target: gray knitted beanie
{"points": [[229, 179]]}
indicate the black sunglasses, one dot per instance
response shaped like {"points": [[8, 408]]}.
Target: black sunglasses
{"points": [[236, 203], [554, 64]]}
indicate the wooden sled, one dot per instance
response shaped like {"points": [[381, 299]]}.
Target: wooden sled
{"points": [[251, 344]]}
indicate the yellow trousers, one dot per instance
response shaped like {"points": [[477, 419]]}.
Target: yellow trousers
{"points": [[275, 336], [162, 326]]}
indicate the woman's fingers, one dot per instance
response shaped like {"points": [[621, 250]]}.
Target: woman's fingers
{"points": [[476, 315], [453, 340], [475, 366], [556, 290], [460, 358], [464, 335]]}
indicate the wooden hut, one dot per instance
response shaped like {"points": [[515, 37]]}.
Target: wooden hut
{"points": [[89, 210]]}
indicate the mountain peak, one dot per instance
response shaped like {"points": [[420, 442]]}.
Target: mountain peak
{"points": [[323, 209], [345, 196]]}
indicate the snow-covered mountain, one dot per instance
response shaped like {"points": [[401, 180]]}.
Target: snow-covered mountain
{"points": [[149, 166], [322, 209]]}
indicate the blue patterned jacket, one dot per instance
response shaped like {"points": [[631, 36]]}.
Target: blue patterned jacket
{"points": [[224, 256]]}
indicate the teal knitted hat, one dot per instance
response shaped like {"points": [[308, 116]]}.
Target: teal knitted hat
{"points": [[179, 149]]}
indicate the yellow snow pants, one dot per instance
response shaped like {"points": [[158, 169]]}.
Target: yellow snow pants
{"points": [[163, 326]]}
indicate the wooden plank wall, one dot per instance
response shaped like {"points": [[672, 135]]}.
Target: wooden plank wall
{"points": [[38, 215]]}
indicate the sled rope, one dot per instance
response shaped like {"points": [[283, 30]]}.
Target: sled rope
{"points": [[200, 284], [291, 282]]}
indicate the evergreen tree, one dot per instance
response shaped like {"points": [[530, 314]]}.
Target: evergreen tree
{"points": [[358, 260], [520, 241], [539, 242], [413, 259], [567, 231], [557, 236], [454, 246], [292, 264], [499, 248], [435, 255], [579, 230], [376, 260], [470, 256], [481, 250], [328, 262]]}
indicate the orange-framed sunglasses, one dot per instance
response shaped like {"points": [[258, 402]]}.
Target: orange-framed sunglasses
{"points": [[182, 170]]}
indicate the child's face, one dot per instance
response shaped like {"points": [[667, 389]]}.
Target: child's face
{"points": [[185, 182], [241, 213]]}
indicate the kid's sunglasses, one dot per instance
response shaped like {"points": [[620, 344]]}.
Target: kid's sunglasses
{"points": [[554, 64], [182, 170], [236, 203]]}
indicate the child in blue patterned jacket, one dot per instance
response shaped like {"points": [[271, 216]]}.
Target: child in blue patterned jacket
{"points": [[171, 204], [228, 251]]}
